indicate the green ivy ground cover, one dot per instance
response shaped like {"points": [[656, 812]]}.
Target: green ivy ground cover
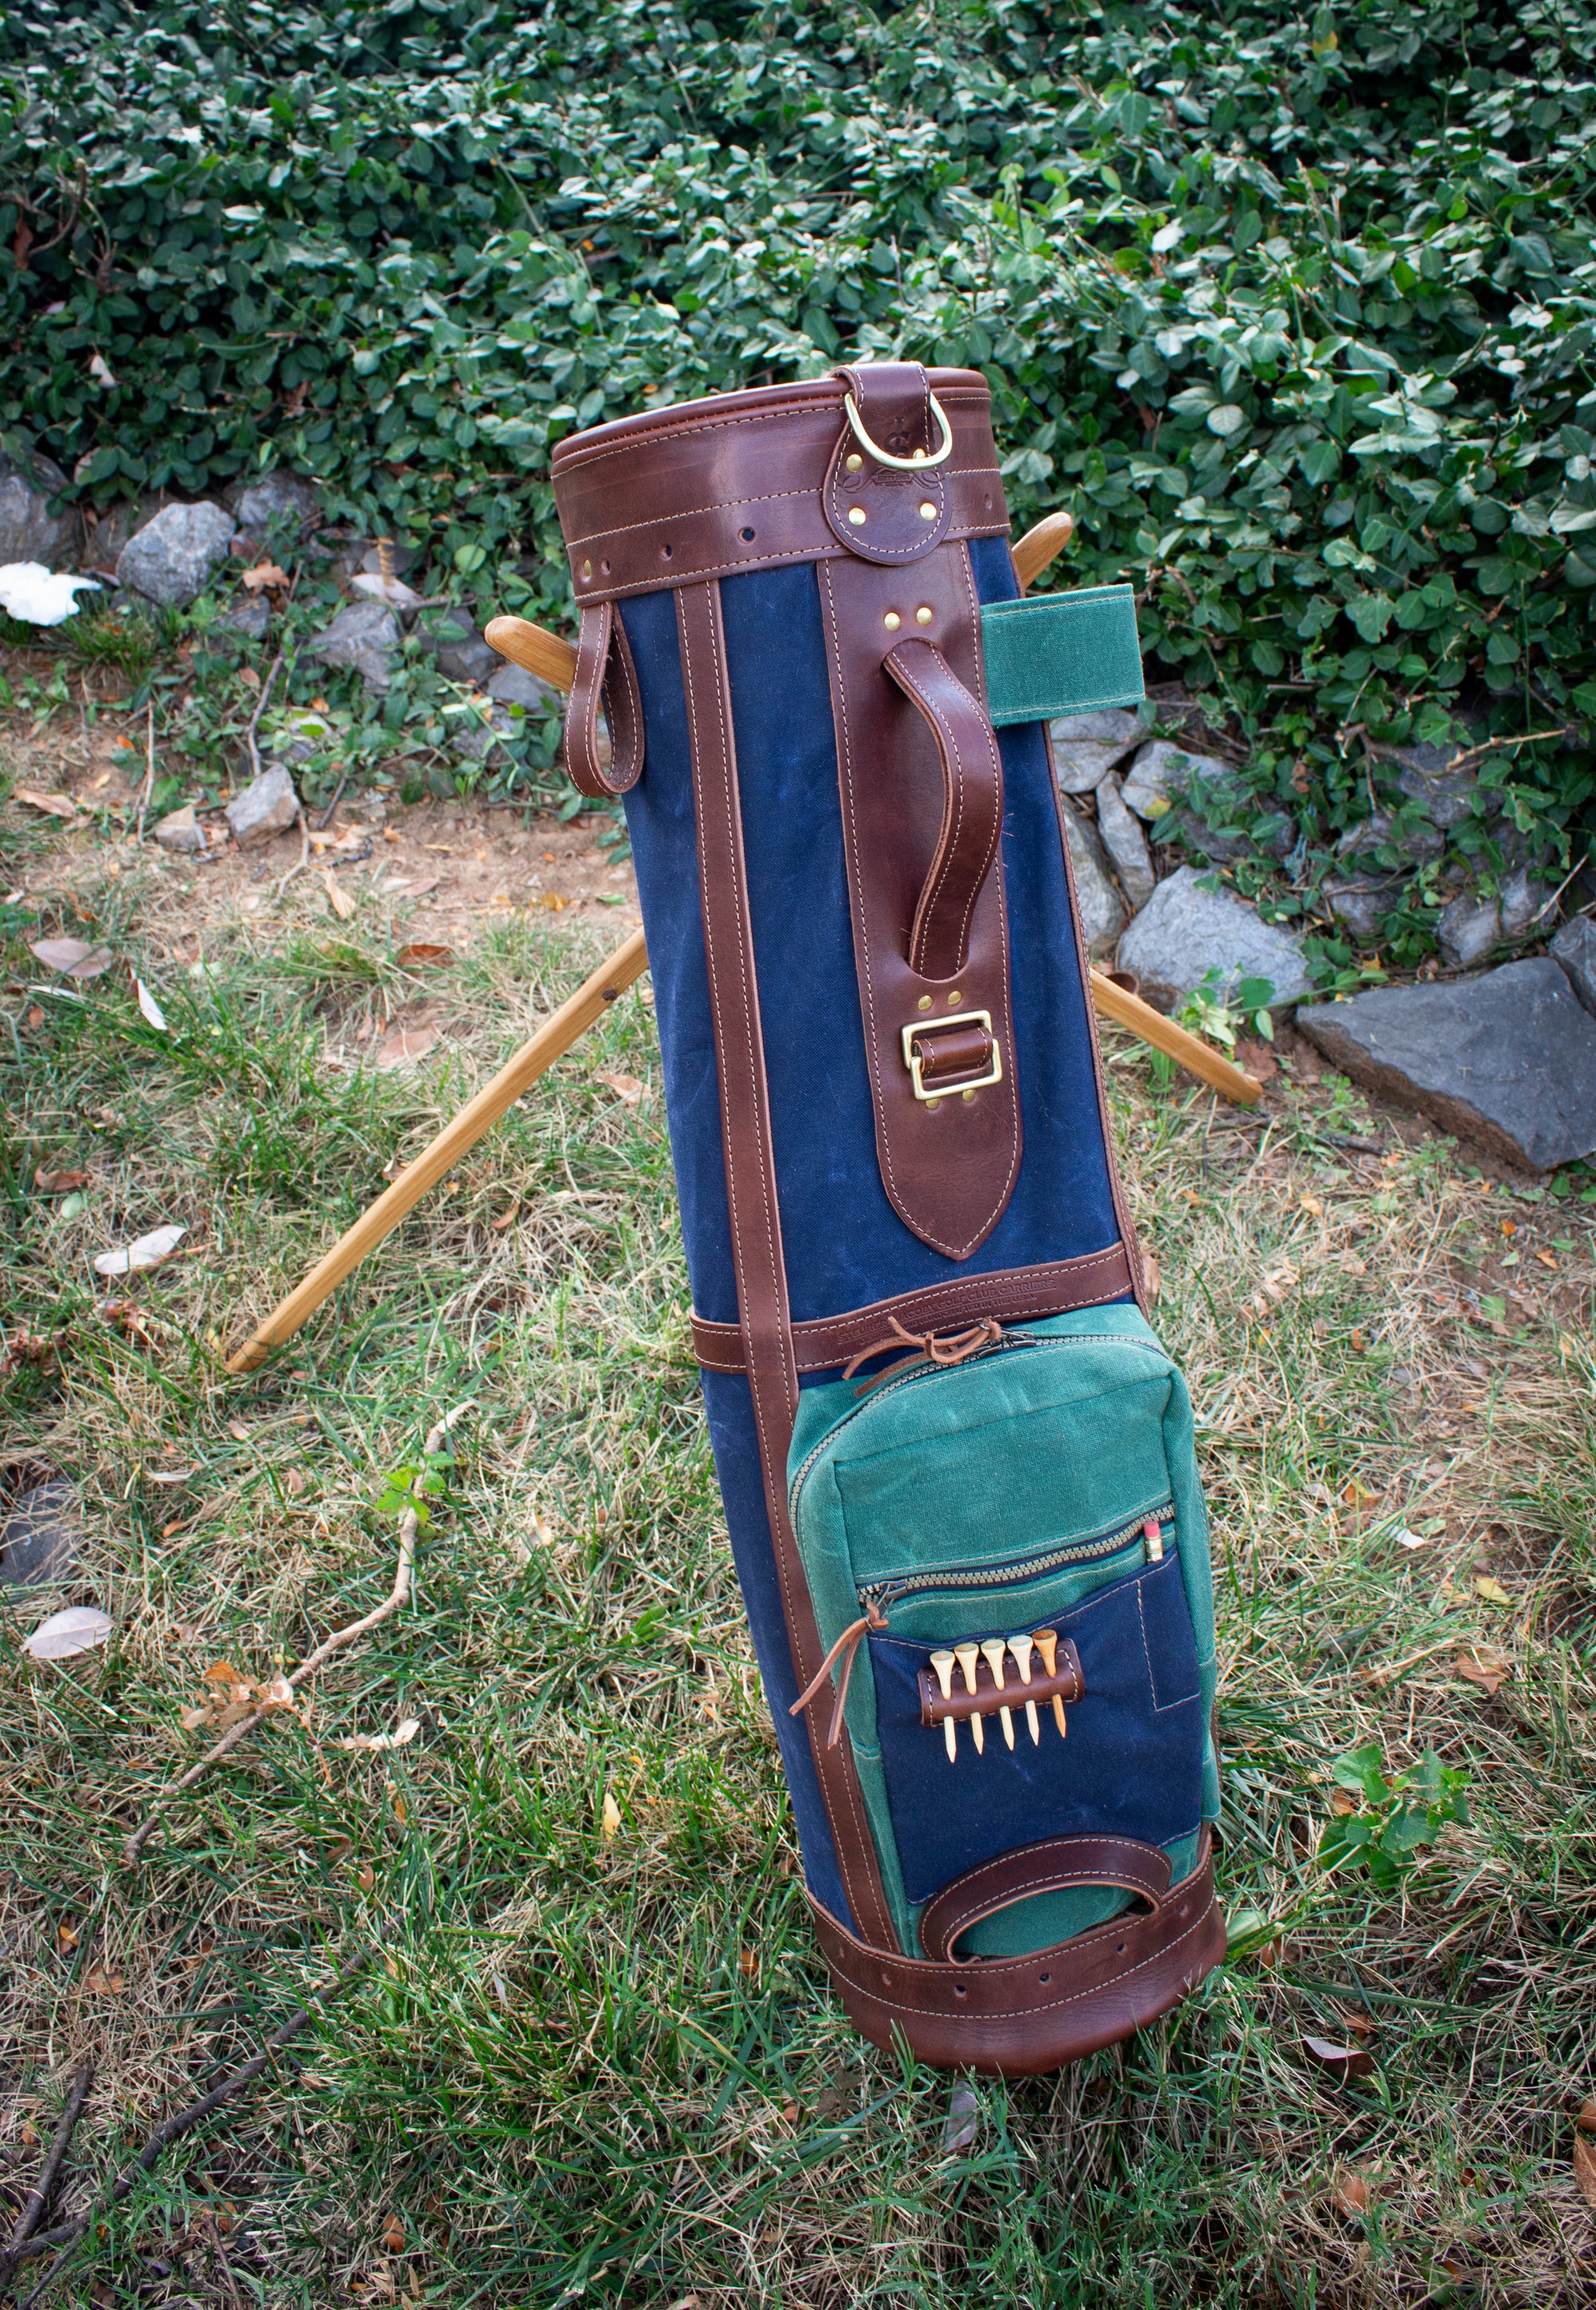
{"points": [[1293, 310]]}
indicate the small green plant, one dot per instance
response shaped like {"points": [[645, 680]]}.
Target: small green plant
{"points": [[1219, 1011], [1396, 1817], [410, 1487]]}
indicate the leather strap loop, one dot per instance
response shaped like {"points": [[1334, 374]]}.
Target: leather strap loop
{"points": [[972, 806], [1052, 1865], [604, 671], [890, 512]]}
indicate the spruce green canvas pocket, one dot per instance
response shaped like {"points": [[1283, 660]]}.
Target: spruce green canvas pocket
{"points": [[1046, 1484]]}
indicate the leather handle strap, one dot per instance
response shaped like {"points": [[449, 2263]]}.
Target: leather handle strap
{"points": [[972, 806], [1052, 1865], [604, 674]]}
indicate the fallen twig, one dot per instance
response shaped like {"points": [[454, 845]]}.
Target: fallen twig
{"points": [[397, 1596], [326, 817], [171, 2129], [37, 2196], [303, 860], [149, 767], [260, 707]]}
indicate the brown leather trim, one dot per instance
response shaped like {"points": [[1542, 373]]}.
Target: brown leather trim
{"points": [[1021, 2017], [603, 671], [1049, 1866], [1068, 1683], [1009, 1294], [738, 482], [763, 1309], [949, 1171]]}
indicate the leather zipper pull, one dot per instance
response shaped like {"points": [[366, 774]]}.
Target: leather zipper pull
{"points": [[847, 1646]]}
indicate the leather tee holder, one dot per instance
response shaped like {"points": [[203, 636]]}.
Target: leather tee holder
{"points": [[880, 476]]}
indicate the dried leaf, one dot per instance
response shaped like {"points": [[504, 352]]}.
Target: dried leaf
{"points": [[627, 1089], [1584, 2169], [1311, 1205], [145, 1251], [507, 1218], [78, 1629], [295, 1483], [55, 805], [59, 1183], [193, 1720], [338, 898], [396, 1739], [151, 1008], [1487, 1669], [554, 904], [366, 1877], [1492, 1591], [264, 573], [404, 1044], [71, 957], [223, 1672], [237, 1431], [101, 1984], [1351, 2193], [277, 1694], [963, 2120], [422, 955], [610, 1818], [67, 1936], [1342, 2061], [393, 2235]]}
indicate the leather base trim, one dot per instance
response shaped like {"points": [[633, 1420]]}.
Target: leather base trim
{"points": [[1023, 2017], [1007, 1294]]}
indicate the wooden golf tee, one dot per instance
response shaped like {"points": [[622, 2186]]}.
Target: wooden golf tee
{"points": [[553, 1038]]}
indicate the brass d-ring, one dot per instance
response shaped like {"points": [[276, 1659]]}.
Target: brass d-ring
{"points": [[921, 462]]}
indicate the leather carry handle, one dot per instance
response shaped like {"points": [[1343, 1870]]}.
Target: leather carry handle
{"points": [[603, 672], [1052, 1865], [972, 806]]}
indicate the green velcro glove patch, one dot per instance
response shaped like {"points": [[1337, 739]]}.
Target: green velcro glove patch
{"points": [[1061, 653]]}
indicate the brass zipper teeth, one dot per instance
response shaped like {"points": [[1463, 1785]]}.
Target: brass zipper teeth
{"points": [[1104, 1545]]}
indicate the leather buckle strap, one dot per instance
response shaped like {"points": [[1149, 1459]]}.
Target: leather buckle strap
{"points": [[604, 671], [943, 1055]]}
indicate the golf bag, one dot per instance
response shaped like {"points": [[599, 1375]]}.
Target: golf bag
{"points": [[957, 1464]]}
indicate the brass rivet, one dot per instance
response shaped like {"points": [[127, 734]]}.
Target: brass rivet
{"points": [[922, 615], [969, 1097], [855, 462], [928, 512], [918, 456], [892, 621], [855, 514], [932, 1105], [956, 995], [587, 569], [924, 1004]]}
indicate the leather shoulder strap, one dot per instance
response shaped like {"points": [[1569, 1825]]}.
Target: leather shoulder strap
{"points": [[764, 1313]]}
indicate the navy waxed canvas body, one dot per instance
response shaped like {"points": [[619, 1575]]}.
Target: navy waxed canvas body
{"points": [[887, 1123]]}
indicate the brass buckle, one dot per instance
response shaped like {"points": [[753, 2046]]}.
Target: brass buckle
{"points": [[911, 1058], [921, 460]]}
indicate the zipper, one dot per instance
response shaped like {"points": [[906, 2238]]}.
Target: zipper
{"points": [[891, 1387], [1151, 1528]]}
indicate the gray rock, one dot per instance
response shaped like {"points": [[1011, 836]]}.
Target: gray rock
{"points": [[461, 654], [363, 635], [1520, 901], [172, 557], [1469, 928], [39, 1538], [180, 830], [1575, 950], [1379, 831], [276, 497], [1082, 767], [267, 805], [1507, 1059], [479, 741], [1184, 930], [513, 686], [1363, 902], [1161, 771], [1445, 796], [1220, 845], [1101, 908], [29, 530], [249, 615], [1125, 844], [1086, 745]]}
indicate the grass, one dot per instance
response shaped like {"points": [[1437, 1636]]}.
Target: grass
{"points": [[605, 2067]]}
